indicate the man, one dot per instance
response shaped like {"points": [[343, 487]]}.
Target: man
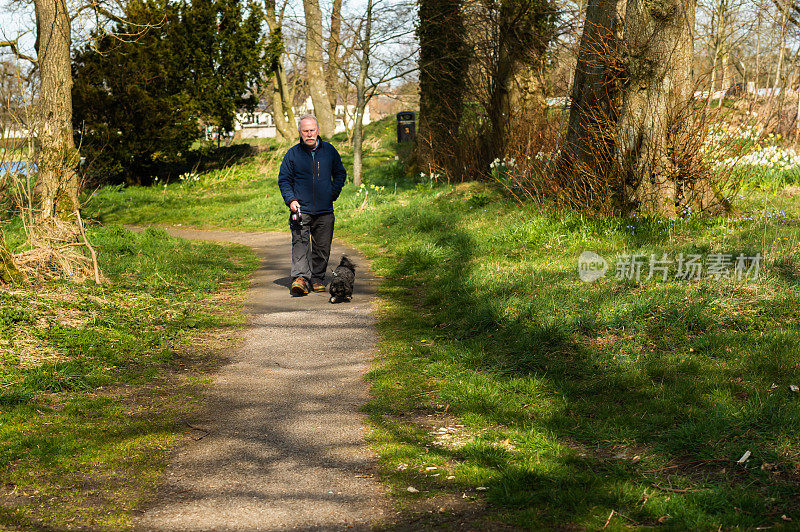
{"points": [[311, 178]]}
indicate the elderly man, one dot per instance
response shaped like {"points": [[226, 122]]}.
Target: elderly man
{"points": [[311, 178]]}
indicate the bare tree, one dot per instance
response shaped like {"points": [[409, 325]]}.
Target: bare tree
{"points": [[384, 51]]}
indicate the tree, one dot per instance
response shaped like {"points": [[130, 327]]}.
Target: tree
{"points": [[57, 157], [132, 106], [281, 95], [315, 68], [443, 64], [382, 52], [508, 53], [628, 142], [221, 47], [139, 104]]}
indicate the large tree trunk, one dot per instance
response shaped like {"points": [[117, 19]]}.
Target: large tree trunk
{"points": [[657, 88], [628, 137], [316, 68], [56, 157], [281, 124], [516, 98], [443, 66]]}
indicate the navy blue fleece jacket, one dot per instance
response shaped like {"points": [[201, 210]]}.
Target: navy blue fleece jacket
{"points": [[313, 178]]}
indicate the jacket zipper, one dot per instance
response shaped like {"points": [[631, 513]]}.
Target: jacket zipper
{"points": [[314, 172]]}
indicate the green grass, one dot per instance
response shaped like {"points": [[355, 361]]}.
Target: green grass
{"points": [[562, 401], [95, 381]]}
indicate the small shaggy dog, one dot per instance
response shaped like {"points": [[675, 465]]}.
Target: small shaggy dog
{"points": [[341, 287]]}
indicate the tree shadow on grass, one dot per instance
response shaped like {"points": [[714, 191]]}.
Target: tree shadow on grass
{"points": [[625, 373]]}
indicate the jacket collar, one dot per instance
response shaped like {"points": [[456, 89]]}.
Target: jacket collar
{"points": [[319, 143]]}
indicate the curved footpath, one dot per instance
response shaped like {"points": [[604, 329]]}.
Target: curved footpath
{"points": [[280, 444]]}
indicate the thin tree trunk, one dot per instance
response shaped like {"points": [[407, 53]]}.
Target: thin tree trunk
{"points": [[56, 157], [316, 68], [776, 84], [723, 79], [334, 44], [361, 101], [281, 124], [282, 111], [754, 97], [713, 76]]}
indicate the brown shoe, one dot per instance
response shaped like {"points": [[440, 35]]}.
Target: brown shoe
{"points": [[299, 287], [318, 287]]}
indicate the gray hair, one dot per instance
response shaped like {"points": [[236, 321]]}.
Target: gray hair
{"points": [[307, 117]]}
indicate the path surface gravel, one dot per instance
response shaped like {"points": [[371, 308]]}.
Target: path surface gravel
{"points": [[282, 443]]}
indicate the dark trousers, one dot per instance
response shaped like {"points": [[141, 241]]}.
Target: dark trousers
{"points": [[311, 246]]}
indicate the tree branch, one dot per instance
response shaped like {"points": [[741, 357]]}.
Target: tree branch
{"points": [[14, 46]]}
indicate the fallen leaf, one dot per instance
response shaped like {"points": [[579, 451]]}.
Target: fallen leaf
{"points": [[412, 489], [744, 458], [481, 488]]}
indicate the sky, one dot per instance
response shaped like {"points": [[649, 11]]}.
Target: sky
{"points": [[13, 24]]}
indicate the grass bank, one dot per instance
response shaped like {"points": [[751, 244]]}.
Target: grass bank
{"points": [[507, 390], [96, 381]]}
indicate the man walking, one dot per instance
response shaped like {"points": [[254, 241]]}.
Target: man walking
{"points": [[311, 178]]}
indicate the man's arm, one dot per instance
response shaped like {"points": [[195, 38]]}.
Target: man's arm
{"points": [[286, 180], [338, 174]]}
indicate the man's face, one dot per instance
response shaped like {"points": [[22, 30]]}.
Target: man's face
{"points": [[308, 132]]}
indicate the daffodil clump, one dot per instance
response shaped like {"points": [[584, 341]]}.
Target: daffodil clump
{"points": [[774, 158]]}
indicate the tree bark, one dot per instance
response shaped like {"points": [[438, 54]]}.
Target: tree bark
{"points": [[443, 66], [315, 68], [8, 270], [658, 83], [334, 45], [361, 100], [629, 148], [282, 111], [56, 157], [515, 90], [587, 159]]}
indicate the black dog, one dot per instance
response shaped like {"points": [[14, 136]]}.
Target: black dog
{"points": [[341, 287]]}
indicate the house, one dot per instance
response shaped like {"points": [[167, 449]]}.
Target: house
{"points": [[260, 123]]}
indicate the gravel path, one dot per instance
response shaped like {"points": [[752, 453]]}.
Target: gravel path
{"points": [[282, 442]]}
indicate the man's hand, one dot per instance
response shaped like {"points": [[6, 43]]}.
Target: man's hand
{"points": [[294, 206]]}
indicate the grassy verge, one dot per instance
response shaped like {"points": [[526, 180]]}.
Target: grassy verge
{"points": [[507, 390], [95, 381]]}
